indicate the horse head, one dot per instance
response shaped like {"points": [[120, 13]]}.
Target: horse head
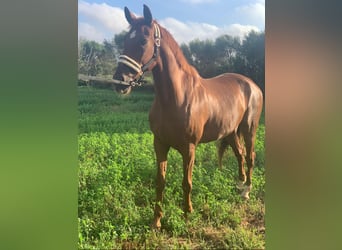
{"points": [[141, 49]]}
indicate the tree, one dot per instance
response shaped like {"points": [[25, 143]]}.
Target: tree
{"points": [[95, 58], [253, 51], [119, 40], [229, 54], [89, 52], [109, 57], [227, 50], [203, 55]]}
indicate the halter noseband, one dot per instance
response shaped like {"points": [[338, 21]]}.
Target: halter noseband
{"points": [[137, 67]]}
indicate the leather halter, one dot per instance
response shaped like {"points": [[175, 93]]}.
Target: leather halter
{"points": [[137, 67]]}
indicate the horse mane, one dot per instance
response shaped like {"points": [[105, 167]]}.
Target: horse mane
{"points": [[177, 51]]}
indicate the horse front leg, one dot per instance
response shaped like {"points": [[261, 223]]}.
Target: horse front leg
{"points": [[188, 162], [161, 151]]}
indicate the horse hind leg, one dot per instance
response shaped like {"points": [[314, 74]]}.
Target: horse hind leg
{"points": [[233, 140], [249, 138], [238, 150], [222, 146], [248, 128]]}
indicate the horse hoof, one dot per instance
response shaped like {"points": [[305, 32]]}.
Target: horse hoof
{"points": [[246, 191], [156, 225], [155, 228], [245, 196]]}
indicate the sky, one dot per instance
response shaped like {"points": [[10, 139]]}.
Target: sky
{"points": [[185, 19]]}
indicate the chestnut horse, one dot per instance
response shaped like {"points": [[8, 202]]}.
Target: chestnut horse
{"points": [[188, 109]]}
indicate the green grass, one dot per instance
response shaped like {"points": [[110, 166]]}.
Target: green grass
{"points": [[103, 110], [117, 184]]}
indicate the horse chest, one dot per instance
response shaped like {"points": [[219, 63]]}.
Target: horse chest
{"points": [[173, 126]]}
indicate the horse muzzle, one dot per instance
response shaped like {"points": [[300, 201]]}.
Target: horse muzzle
{"points": [[124, 83], [123, 89]]}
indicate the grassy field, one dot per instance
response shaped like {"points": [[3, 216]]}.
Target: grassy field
{"points": [[117, 184]]}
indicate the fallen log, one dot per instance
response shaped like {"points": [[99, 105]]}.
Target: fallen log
{"points": [[102, 82], [95, 81]]}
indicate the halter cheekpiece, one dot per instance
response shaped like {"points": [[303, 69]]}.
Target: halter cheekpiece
{"points": [[140, 70]]}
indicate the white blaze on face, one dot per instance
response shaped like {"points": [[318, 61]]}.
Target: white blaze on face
{"points": [[132, 35]]}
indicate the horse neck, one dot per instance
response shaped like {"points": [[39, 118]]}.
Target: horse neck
{"points": [[169, 78]]}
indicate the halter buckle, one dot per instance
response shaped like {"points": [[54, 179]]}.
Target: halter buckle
{"points": [[157, 42]]}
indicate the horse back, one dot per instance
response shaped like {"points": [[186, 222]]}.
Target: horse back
{"points": [[233, 90], [231, 98]]}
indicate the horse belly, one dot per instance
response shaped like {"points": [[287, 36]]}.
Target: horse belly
{"points": [[214, 131], [210, 135]]}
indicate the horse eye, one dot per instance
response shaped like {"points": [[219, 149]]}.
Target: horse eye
{"points": [[143, 42]]}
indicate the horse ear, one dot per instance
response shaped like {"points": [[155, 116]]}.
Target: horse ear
{"points": [[147, 15], [129, 16]]}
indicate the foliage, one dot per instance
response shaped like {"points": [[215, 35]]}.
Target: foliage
{"points": [[119, 40], [117, 185], [229, 54], [253, 52], [95, 58]]}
